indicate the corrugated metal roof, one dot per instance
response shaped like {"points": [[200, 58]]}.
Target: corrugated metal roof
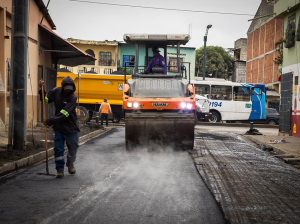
{"points": [[62, 51], [45, 12], [272, 93], [93, 42]]}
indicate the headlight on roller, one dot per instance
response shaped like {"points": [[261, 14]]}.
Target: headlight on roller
{"points": [[129, 104], [189, 106], [186, 106], [136, 105], [183, 105]]}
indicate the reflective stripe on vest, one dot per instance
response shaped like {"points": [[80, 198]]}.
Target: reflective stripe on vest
{"points": [[59, 158], [46, 99], [104, 108], [64, 112]]}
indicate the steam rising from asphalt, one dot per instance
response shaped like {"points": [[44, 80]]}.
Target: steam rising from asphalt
{"points": [[153, 163], [146, 172]]}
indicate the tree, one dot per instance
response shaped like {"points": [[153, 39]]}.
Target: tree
{"points": [[219, 62]]}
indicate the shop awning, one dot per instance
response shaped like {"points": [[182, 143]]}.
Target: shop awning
{"points": [[272, 93], [62, 51]]}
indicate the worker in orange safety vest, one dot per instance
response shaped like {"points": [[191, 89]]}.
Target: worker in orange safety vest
{"points": [[104, 111]]}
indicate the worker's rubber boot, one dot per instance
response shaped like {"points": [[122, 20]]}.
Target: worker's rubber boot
{"points": [[60, 174], [71, 169]]}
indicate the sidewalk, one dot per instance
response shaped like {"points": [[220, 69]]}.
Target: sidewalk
{"points": [[285, 147]]}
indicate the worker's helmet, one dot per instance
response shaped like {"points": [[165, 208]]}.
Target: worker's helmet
{"points": [[155, 50], [68, 84]]}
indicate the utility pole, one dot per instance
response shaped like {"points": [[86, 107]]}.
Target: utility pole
{"points": [[19, 72], [204, 56]]}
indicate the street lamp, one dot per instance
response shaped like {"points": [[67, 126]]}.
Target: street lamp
{"points": [[204, 57]]}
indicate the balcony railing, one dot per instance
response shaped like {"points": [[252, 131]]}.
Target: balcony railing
{"points": [[96, 69], [92, 69], [109, 62]]}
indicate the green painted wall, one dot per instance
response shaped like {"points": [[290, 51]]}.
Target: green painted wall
{"points": [[188, 55], [282, 5], [129, 49], [291, 55]]}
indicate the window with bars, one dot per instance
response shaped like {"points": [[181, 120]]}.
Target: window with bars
{"points": [[172, 64], [105, 58], [298, 31], [290, 32]]}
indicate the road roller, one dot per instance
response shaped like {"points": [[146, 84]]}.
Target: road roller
{"points": [[159, 101]]}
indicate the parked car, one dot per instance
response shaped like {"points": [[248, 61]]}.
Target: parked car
{"points": [[202, 108], [272, 116]]}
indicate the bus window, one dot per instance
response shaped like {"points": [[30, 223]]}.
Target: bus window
{"points": [[202, 89], [241, 93], [221, 92]]}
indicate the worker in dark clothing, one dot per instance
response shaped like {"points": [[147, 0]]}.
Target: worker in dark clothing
{"points": [[64, 124], [157, 61]]}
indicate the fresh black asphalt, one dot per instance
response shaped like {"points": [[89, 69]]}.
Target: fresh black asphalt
{"points": [[112, 186]]}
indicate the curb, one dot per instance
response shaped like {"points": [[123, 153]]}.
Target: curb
{"points": [[247, 125], [265, 145], [38, 157], [279, 153]]}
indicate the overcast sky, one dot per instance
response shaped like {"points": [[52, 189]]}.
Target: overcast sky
{"points": [[103, 22]]}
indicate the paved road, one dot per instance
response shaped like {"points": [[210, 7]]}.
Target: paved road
{"points": [[112, 186], [252, 186]]}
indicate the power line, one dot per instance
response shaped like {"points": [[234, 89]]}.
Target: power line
{"points": [[160, 8]]}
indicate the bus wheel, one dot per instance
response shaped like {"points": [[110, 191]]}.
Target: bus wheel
{"points": [[215, 117]]}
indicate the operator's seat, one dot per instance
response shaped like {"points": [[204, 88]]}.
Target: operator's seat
{"points": [[157, 69]]}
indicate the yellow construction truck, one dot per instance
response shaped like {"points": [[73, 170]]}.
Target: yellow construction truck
{"points": [[92, 89]]}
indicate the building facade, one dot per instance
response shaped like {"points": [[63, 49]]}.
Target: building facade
{"points": [[289, 12], [45, 50], [127, 53], [105, 53], [264, 35], [5, 55], [240, 59], [37, 60]]}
